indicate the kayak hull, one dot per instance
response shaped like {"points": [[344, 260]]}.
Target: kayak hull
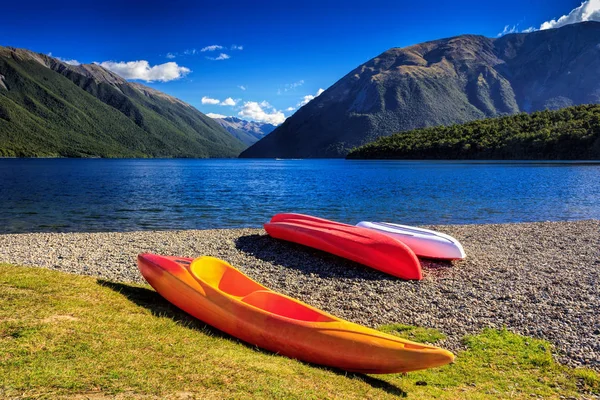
{"points": [[362, 245], [424, 242], [221, 296]]}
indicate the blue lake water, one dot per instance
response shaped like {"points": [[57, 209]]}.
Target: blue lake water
{"points": [[90, 195]]}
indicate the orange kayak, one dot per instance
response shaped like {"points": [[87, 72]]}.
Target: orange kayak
{"points": [[365, 246], [220, 295]]}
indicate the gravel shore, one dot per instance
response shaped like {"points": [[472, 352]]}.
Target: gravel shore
{"points": [[536, 279]]}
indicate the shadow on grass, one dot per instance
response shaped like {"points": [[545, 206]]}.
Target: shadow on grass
{"points": [[160, 307], [325, 265], [369, 380]]}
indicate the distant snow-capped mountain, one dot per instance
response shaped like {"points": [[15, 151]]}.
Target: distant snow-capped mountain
{"points": [[248, 132]]}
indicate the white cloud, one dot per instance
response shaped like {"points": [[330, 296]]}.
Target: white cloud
{"points": [[507, 29], [236, 47], [70, 62], [142, 70], [290, 109], [261, 112], [291, 86], [242, 87], [221, 56], [588, 11], [208, 100], [213, 115], [306, 99], [186, 52], [228, 102], [212, 48]]}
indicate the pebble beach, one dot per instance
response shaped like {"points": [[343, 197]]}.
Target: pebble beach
{"points": [[536, 279]]}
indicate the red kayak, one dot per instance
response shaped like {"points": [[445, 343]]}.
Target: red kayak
{"points": [[365, 246]]}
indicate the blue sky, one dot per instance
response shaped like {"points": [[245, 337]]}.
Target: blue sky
{"points": [[261, 60]]}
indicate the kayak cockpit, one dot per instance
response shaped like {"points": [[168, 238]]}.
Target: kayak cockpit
{"points": [[281, 305], [223, 277]]}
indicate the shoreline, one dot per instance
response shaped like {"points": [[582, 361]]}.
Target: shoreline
{"points": [[538, 279]]}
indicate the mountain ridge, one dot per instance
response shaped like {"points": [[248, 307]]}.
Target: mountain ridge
{"points": [[248, 132], [443, 82], [50, 108]]}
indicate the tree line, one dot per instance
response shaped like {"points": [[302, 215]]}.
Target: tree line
{"points": [[572, 133]]}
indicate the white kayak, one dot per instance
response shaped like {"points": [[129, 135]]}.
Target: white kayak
{"points": [[424, 242]]}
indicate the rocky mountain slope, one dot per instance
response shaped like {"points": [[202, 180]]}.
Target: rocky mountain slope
{"points": [[248, 132], [443, 82], [53, 109]]}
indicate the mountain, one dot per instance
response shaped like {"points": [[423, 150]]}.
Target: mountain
{"points": [[50, 108], [248, 132], [571, 133], [443, 82]]}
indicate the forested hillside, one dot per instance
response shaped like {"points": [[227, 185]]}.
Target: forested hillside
{"points": [[52, 109], [572, 133]]}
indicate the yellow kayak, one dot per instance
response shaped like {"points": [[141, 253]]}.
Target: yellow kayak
{"points": [[220, 295]]}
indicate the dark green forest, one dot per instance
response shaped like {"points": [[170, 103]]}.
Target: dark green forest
{"points": [[572, 133]]}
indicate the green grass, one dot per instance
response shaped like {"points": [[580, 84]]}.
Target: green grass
{"points": [[66, 335], [414, 333]]}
